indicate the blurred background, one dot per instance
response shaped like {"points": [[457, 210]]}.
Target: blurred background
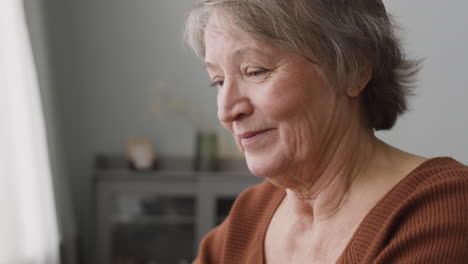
{"points": [[109, 70]]}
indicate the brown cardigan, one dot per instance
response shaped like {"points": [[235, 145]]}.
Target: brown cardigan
{"points": [[423, 219]]}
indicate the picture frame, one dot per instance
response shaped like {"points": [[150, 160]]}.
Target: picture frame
{"points": [[141, 153]]}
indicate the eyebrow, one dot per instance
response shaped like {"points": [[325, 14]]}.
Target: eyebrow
{"points": [[239, 52], [209, 65]]}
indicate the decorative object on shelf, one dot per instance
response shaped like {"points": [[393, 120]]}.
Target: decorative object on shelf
{"points": [[141, 153], [206, 152]]}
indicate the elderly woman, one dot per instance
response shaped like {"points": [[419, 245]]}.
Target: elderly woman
{"points": [[302, 86]]}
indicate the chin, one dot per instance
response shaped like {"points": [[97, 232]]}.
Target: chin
{"points": [[264, 166], [272, 175], [278, 167]]}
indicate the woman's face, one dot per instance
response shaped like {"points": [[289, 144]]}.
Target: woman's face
{"points": [[279, 107]]}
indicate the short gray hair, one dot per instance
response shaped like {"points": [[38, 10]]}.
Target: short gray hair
{"points": [[348, 38]]}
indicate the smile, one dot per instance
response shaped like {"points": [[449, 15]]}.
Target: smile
{"points": [[253, 136]]}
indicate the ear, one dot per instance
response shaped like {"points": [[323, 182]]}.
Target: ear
{"points": [[355, 90]]}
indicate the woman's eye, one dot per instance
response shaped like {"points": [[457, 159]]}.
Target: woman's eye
{"points": [[217, 84], [256, 73]]}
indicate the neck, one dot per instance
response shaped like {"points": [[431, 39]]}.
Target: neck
{"points": [[325, 197]]}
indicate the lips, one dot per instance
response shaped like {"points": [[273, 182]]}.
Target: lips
{"points": [[248, 136]]}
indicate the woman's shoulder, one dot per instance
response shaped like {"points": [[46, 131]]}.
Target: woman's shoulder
{"points": [[436, 184], [442, 164], [435, 172], [426, 210]]}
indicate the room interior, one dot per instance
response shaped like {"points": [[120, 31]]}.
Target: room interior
{"points": [[114, 70]]}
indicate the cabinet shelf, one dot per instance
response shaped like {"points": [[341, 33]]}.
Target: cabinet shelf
{"points": [[156, 220], [159, 215]]}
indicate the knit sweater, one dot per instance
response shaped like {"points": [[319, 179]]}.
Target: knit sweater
{"points": [[422, 219]]}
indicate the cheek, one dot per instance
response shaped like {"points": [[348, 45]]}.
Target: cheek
{"points": [[287, 96], [300, 137], [299, 93], [277, 105], [287, 107], [292, 109]]}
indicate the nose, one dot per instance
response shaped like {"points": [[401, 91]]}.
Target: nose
{"points": [[233, 105]]}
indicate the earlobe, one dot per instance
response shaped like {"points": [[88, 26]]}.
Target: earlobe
{"points": [[355, 90]]}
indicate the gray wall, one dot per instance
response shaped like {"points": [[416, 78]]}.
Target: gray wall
{"points": [[436, 31], [109, 56]]}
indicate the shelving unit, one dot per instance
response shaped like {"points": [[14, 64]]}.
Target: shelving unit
{"points": [[159, 217]]}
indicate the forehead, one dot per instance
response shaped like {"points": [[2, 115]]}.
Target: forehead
{"points": [[221, 29], [222, 36]]}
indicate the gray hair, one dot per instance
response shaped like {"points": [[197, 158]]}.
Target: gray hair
{"points": [[347, 39]]}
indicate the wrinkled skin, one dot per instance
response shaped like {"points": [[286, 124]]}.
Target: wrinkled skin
{"points": [[306, 122]]}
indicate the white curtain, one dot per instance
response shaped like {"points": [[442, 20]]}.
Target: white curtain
{"points": [[28, 223]]}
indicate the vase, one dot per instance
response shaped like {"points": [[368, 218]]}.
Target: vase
{"points": [[206, 151]]}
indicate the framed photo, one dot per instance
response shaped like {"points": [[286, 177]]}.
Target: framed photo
{"points": [[140, 152]]}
